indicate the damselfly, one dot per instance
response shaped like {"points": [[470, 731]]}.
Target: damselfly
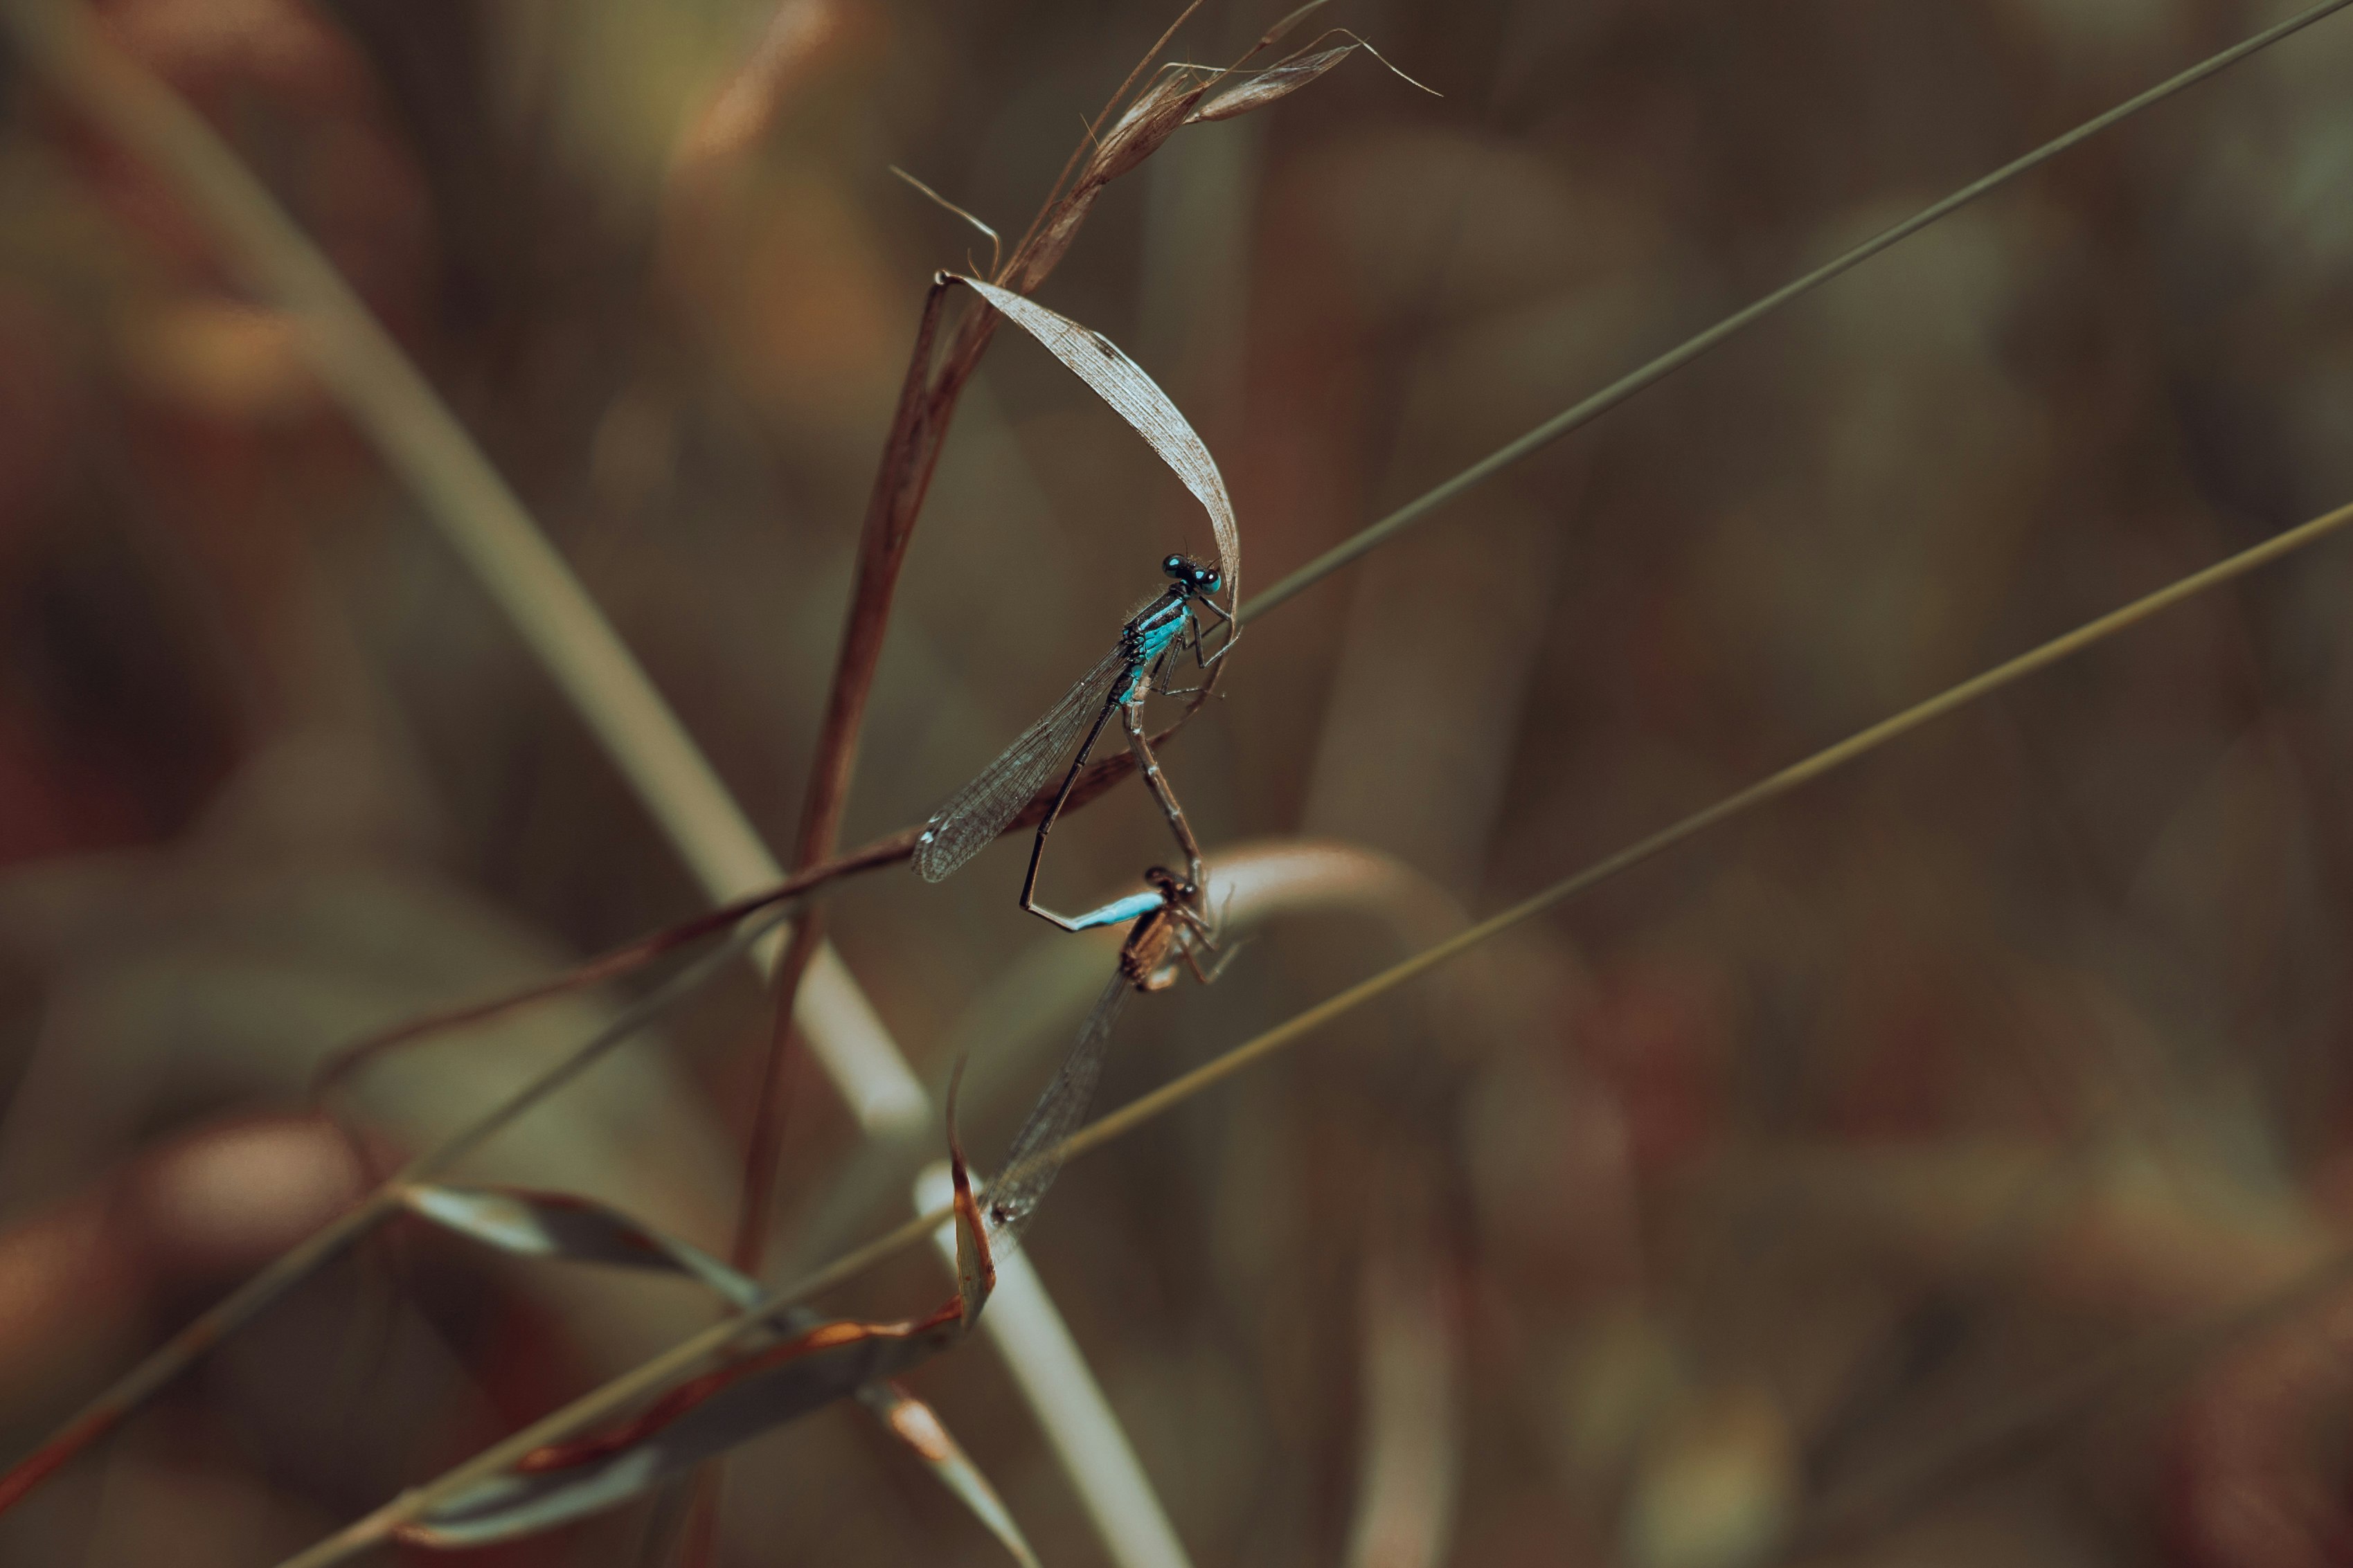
{"points": [[1148, 647], [1170, 933]]}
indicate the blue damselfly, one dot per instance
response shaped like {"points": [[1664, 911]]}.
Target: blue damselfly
{"points": [[1148, 647]]}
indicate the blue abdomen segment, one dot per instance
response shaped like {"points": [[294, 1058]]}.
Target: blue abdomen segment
{"points": [[1133, 907]]}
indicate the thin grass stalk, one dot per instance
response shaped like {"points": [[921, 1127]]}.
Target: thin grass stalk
{"points": [[1025, 247], [1379, 534], [910, 455], [900, 483], [612, 1396]]}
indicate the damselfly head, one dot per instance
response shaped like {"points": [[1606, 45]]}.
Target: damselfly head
{"points": [[1169, 885], [1193, 574]]}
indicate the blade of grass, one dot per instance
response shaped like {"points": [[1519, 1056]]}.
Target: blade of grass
{"points": [[903, 477], [584, 1230], [911, 454], [1379, 534], [652, 1375], [1137, 398], [1045, 1359]]}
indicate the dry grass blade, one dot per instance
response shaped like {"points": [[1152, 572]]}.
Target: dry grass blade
{"points": [[1409, 1470], [698, 1421], [559, 1224], [910, 458], [917, 1425], [1277, 33], [1277, 81], [1148, 124], [1379, 534], [911, 454], [1045, 1362], [1135, 397], [995, 244], [1285, 78], [1049, 234], [581, 1230], [975, 1267]]}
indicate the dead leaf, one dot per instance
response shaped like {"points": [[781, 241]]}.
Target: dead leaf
{"points": [[556, 1224], [1276, 81], [1149, 122], [976, 1269], [1286, 77], [695, 1421]]}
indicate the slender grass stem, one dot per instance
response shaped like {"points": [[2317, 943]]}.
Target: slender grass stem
{"points": [[1379, 534], [599, 1403]]}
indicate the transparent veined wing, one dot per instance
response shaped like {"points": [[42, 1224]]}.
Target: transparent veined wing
{"points": [[976, 814], [1012, 1200]]}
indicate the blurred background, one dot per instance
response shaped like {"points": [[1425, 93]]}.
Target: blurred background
{"points": [[1932, 1167]]}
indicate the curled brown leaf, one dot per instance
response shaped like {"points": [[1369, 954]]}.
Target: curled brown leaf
{"points": [[1149, 122], [695, 1421], [1286, 77]]}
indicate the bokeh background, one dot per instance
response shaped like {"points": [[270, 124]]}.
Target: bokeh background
{"points": [[1930, 1168]]}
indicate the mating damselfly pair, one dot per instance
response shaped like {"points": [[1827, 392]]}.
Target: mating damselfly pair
{"points": [[1170, 929]]}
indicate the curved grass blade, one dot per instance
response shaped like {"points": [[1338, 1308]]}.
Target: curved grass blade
{"points": [[1137, 398], [976, 814], [975, 1261], [558, 1225], [917, 1425], [696, 1421], [1035, 1159], [1277, 81]]}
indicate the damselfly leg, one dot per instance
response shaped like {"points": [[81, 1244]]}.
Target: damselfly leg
{"points": [[1149, 765]]}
